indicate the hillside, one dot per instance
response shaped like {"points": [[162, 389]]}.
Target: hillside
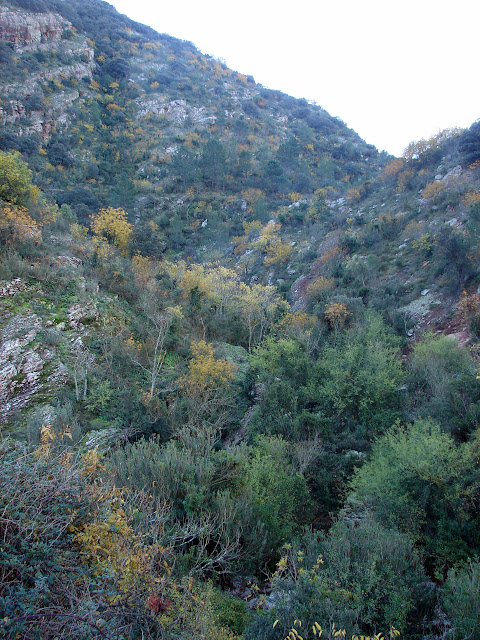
{"points": [[239, 352], [146, 122]]}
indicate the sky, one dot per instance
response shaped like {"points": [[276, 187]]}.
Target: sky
{"points": [[392, 71]]}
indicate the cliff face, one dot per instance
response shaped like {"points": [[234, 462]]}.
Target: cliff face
{"points": [[48, 38], [29, 30]]}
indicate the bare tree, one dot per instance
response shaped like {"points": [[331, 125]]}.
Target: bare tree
{"points": [[81, 362], [150, 355]]}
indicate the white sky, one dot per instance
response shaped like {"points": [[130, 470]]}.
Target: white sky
{"points": [[394, 71]]}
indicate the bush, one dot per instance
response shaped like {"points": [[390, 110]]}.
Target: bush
{"points": [[420, 481], [16, 180], [461, 599], [361, 577], [205, 519], [230, 612], [279, 494], [442, 377], [82, 559]]}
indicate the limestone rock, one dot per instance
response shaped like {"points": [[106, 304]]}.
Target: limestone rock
{"points": [[79, 313], [25, 29], [68, 262], [11, 288], [176, 110]]}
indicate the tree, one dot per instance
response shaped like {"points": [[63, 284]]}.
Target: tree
{"points": [[444, 385], [81, 362], [279, 494], [204, 399], [361, 577], [16, 181], [337, 314], [213, 163], [184, 163], [260, 305], [470, 143], [278, 252], [354, 386], [150, 355], [420, 481], [16, 224], [112, 224]]}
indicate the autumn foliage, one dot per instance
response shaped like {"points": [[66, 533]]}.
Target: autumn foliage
{"points": [[112, 224]]}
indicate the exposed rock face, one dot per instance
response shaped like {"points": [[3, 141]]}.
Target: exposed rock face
{"points": [[42, 32], [176, 110], [81, 313], [27, 367], [10, 289], [68, 262], [24, 364], [26, 29], [54, 118]]}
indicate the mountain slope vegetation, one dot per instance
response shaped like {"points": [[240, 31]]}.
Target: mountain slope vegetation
{"points": [[239, 352]]}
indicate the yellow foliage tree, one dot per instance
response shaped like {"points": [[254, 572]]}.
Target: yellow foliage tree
{"points": [[418, 148], [112, 224], [277, 252], [266, 235], [319, 288], [393, 167], [144, 270], [204, 399], [204, 370], [337, 314], [16, 224], [259, 307], [433, 190], [294, 196], [471, 198], [403, 179]]}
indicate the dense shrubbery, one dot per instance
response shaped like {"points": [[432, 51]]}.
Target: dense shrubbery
{"points": [[360, 577], [230, 510], [421, 482], [461, 598], [84, 560]]}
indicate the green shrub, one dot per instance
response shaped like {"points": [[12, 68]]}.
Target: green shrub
{"points": [[361, 576], [278, 493], [230, 612], [442, 379], [461, 599], [421, 482]]}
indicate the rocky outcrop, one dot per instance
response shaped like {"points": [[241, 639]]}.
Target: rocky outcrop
{"points": [[80, 314], [67, 262], [43, 32], [176, 110], [26, 368], [54, 118], [10, 289], [30, 29]]}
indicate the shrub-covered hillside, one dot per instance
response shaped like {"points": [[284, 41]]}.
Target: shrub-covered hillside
{"points": [[239, 352], [115, 114]]}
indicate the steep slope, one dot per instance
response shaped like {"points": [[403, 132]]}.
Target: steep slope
{"points": [[146, 122]]}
